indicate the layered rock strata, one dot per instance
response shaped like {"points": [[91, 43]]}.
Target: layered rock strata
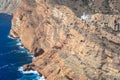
{"points": [[67, 44], [9, 6]]}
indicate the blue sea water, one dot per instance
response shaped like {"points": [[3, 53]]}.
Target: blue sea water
{"points": [[12, 55]]}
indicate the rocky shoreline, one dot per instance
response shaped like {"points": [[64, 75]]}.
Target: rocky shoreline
{"points": [[68, 45]]}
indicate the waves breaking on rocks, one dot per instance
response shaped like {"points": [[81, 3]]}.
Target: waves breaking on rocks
{"points": [[32, 75], [35, 74], [13, 55]]}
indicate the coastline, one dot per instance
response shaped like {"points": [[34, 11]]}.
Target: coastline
{"points": [[13, 54], [69, 46], [22, 68]]}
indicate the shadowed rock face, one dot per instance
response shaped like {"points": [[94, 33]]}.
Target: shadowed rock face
{"points": [[9, 6], [90, 6], [74, 46]]}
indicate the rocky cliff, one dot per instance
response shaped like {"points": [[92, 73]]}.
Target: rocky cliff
{"points": [[71, 39], [9, 6]]}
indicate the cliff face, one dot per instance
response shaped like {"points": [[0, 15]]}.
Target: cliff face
{"points": [[9, 6], [67, 44]]}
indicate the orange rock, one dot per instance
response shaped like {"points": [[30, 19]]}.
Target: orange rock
{"points": [[72, 46]]}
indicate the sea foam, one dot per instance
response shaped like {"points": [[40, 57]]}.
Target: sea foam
{"points": [[10, 37], [38, 77], [27, 72]]}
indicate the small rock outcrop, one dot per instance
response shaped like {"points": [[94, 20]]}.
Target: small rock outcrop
{"points": [[38, 52], [71, 39]]}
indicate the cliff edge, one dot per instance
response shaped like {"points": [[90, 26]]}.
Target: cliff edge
{"points": [[71, 39], [9, 6]]}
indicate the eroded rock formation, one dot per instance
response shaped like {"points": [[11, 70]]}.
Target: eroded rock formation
{"points": [[9, 6], [73, 47]]}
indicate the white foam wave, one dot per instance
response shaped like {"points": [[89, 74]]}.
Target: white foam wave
{"points": [[41, 78], [27, 72], [20, 69], [21, 47], [31, 72], [4, 66], [9, 14], [7, 65], [17, 40], [31, 56], [22, 51], [10, 37], [19, 44]]}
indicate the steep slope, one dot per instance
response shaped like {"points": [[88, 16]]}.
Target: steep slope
{"points": [[67, 44], [9, 6]]}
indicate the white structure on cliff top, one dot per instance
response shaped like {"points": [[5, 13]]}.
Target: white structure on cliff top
{"points": [[85, 16]]}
